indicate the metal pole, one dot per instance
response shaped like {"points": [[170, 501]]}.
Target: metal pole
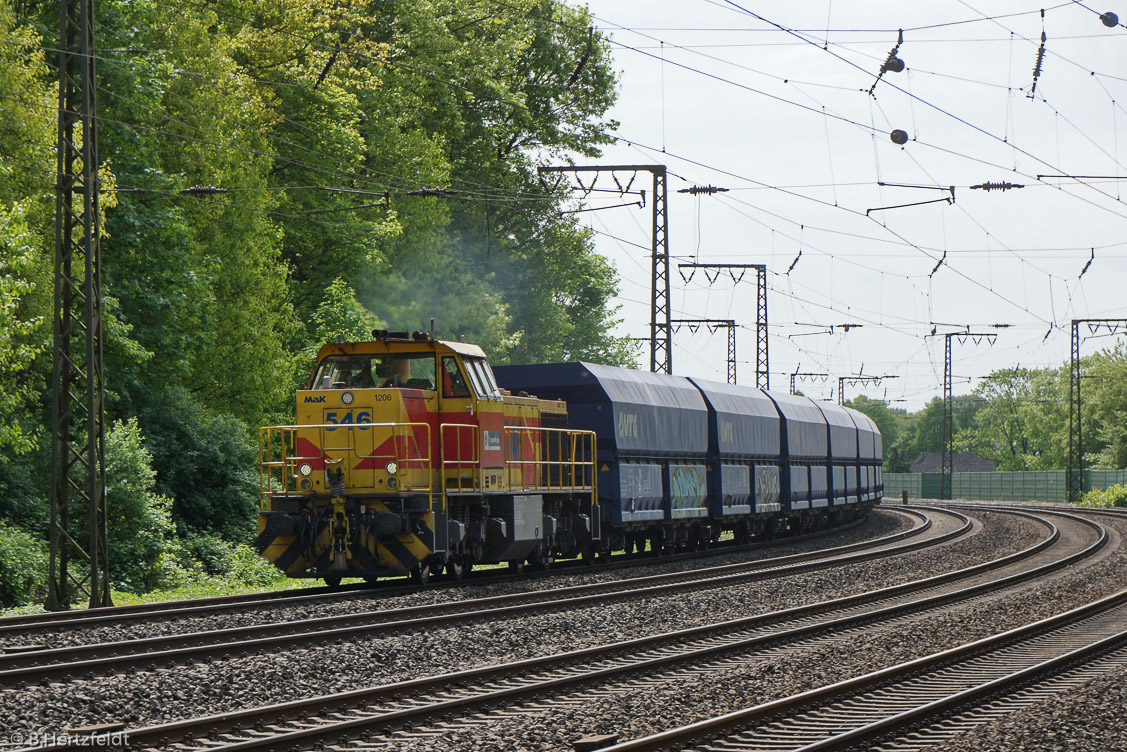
{"points": [[661, 332], [714, 324], [947, 469], [1075, 452], [762, 361], [1075, 472], [947, 464], [732, 352], [78, 390]]}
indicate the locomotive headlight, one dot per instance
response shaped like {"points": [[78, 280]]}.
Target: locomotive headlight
{"points": [[305, 469], [392, 467], [391, 483], [306, 484]]}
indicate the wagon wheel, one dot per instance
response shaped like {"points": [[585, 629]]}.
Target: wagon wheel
{"points": [[455, 569], [541, 558], [332, 580], [516, 566]]}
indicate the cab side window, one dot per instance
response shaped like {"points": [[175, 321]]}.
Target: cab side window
{"points": [[453, 385]]}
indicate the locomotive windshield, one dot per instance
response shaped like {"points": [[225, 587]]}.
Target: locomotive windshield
{"points": [[482, 376], [403, 370]]}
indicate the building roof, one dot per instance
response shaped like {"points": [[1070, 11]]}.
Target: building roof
{"points": [[961, 462]]}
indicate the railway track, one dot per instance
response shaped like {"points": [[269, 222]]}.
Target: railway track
{"points": [[915, 705], [381, 716], [86, 661], [385, 589]]}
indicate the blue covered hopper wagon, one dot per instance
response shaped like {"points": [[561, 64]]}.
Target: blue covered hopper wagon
{"points": [[680, 461]]}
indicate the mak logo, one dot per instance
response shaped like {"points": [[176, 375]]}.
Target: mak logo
{"points": [[311, 398]]}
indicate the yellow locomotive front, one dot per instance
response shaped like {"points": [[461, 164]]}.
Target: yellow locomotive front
{"points": [[407, 458]]}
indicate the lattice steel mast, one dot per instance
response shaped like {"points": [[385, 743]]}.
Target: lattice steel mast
{"points": [[947, 466], [713, 325], [1075, 476], [762, 361], [77, 410], [661, 331]]}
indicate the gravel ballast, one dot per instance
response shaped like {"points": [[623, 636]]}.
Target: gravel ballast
{"points": [[151, 697], [881, 523]]}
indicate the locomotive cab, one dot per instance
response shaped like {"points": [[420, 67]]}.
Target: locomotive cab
{"points": [[406, 457]]}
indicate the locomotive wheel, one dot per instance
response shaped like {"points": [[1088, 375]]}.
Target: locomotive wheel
{"points": [[455, 569], [420, 574], [332, 580]]}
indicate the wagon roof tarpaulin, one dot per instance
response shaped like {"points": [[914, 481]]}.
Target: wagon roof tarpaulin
{"points": [[807, 435], [748, 423], [635, 413]]}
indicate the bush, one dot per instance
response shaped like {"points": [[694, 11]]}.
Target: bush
{"points": [[138, 518], [210, 554], [23, 567], [24, 487], [206, 462], [1112, 496], [251, 569], [208, 558]]}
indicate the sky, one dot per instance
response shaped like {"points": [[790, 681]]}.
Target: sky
{"points": [[776, 102]]}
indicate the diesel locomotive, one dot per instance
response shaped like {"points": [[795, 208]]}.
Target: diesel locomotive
{"points": [[411, 455]]}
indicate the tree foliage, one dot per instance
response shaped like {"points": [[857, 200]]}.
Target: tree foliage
{"points": [[1104, 401], [260, 160], [26, 169]]}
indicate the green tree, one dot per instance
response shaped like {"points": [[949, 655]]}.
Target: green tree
{"points": [[26, 170], [504, 86], [922, 433], [23, 567], [317, 123], [205, 461], [196, 283], [888, 419], [1104, 400], [1022, 422]]}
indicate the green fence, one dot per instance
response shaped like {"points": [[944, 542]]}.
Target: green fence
{"points": [[998, 486]]}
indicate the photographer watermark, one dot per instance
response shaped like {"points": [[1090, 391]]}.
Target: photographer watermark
{"points": [[109, 736]]}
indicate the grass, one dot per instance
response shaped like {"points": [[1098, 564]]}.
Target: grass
{"points": [[210, 588], [207, 587]]}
